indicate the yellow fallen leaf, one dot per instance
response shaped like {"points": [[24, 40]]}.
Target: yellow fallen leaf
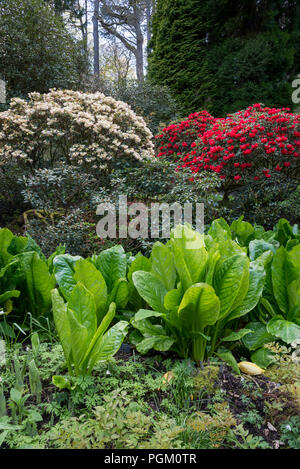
{"points": [[168, 377], [250, 368]]}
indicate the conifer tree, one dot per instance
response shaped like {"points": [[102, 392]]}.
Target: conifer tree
{"points": [[224, 55], [177, 53]]}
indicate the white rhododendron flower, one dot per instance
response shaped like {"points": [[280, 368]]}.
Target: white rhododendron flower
{"points": [[79, 128]]}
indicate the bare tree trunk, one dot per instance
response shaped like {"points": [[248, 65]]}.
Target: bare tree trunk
{"points": [[96, 38], [149, 9], [139, 55], [126, 21], [83, 19], [86, 25]]}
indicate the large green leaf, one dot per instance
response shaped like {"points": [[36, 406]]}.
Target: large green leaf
{"points": [[294, 255], [62, 324], [163, 266], [92, 279], [227, 357], [234, 336], [146, 313], [109, 343], [39, 282], [120, 293], [151, 289], [284, 272], [263, 357], [147, 328], [79, 341], [173, 298], [82, 304], [159, 343], [283, 231], [231, 282], [190, 255], [9, 294], [106, 321], [64, 269], [258, 246], [256, 285], [258, 337], [100, 331], [294, 298], [285, 330], [19, 244], [58, 251], [213, 258], [31, 245], [242, 231], [220, 230], [6, 237], [139, 263], [199, 307], [4, 270], [229, 248], [112, 263]]}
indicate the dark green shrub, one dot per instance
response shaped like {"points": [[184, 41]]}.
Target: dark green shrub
{"points": [[71, 230], [62, 187]]}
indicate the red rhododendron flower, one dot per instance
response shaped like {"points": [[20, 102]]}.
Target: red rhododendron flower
{"points": [[249, 140]]}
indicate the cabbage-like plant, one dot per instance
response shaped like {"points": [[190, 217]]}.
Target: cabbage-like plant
{"points": [[278, 312], [104, 276], [26, 278], [83, 343], [256, 238], [198, 288]]}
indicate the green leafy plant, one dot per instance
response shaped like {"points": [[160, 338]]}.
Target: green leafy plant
{"points": [[290, 432], [16, 403], [118, 423], [83, 343], [35, 381], [246, 440], [6, 427], [283, 234], [198, 288], [277, 313], [26, 280], [103, 275], [279, 307]]}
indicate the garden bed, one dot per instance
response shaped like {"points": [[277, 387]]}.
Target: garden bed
{"points": [[151, 402]]}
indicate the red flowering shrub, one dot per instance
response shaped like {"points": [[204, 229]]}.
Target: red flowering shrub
{"points": [[251, 145], [178, 139]]}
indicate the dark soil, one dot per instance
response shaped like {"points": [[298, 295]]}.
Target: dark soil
{"points": [[259, 390]]}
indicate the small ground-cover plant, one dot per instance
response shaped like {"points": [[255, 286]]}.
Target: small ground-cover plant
{"points": [[118, 423], [138, 402]]}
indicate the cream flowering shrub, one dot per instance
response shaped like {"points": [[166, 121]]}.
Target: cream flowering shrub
{"points": [[86, 129]]}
